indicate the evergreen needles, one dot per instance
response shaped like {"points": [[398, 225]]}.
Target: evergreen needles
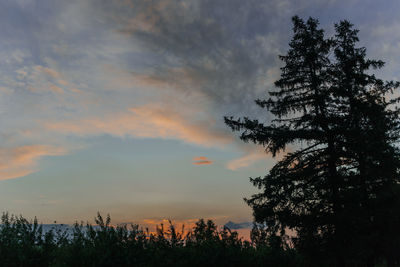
{"points": [[339, 189]]}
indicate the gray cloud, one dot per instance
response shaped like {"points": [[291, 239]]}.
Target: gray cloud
{"points": [[227, 50], [200, 59]]}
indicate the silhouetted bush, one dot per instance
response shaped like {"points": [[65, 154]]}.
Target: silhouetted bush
{"points": [[25, 243]]}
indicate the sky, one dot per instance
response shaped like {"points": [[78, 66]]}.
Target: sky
{"points": [[117, 106]]}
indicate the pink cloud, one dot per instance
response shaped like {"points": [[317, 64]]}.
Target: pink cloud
{"points": [[147, 122], [20, 161], [150, 121], [251, 157]]}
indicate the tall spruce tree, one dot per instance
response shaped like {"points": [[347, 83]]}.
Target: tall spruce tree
{"points": [[372, 124], [339, 189], [301, 192]]}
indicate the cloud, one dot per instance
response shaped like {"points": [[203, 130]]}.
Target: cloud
{"points": [[201, 161], [235, 226], [146, 122], [251, 157], [40, 79], [50, 72], [22, 160], [56, 89], [79, 67], [198, 48]]}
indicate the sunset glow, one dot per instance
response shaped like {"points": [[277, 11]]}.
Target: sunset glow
{"points": [[117, 106]]}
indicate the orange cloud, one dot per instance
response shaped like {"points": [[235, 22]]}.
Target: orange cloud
{"points": [[20, 161], [150, 121], [201, 161], [147, 122], [248, 159]]}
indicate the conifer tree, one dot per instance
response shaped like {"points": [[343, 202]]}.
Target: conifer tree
{"points": [[301, 191], [340, 187], [371, 131]]}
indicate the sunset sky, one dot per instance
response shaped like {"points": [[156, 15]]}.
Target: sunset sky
{"points": [[117, 105]]}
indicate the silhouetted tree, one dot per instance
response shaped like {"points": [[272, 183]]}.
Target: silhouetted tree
{"points": [[371, 124], [333, 188]]}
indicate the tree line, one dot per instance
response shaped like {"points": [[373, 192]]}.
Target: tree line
{"points": [[24, 243]]}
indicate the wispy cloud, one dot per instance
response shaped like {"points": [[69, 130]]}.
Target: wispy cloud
{"points": [[146, 122], [200, 49], [22, 160], [50, 72], [250, 157], [166, 69]]}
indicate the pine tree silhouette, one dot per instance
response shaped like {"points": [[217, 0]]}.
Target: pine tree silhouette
{"points": [[339, 188]]}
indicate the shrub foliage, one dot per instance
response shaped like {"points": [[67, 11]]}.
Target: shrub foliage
{"points": [[25, 243]]}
